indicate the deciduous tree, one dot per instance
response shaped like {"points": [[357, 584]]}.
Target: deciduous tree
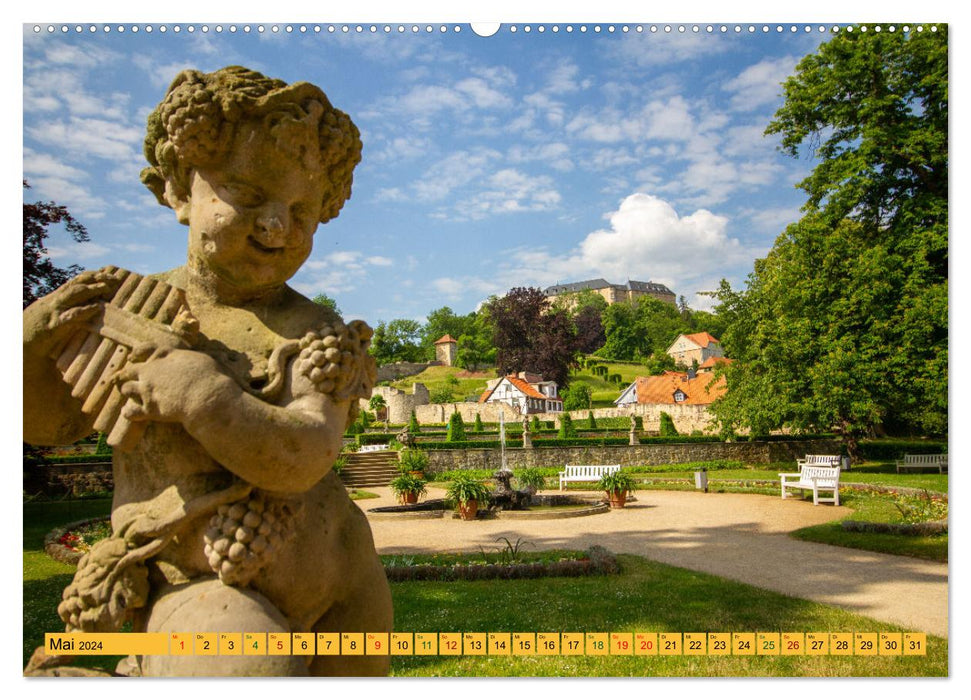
{"points": [[41, 276], [844, 324]]}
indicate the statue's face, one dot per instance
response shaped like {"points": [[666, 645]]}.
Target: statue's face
{"points": [[252, 217]]}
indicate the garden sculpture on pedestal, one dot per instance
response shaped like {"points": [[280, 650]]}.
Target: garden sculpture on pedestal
{"points": [[224, 391]]}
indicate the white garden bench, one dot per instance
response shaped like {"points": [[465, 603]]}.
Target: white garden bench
{"points": [[373, 448], [912, 462], [820, 461], [815, 479], [589, 472]]}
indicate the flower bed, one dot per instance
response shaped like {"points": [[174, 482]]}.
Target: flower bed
{"points": [[67, 544], [597, 561]]}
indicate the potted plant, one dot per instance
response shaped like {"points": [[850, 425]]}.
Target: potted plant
{"points": [[468, 494], [408, 488], [413, 461], [530, 480], [617, 486]]}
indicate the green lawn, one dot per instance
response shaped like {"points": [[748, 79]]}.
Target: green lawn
{"points": [[436, 377], [644, 597]]}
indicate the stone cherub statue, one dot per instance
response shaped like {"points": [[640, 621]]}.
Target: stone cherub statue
{"points": [[227, 516]]}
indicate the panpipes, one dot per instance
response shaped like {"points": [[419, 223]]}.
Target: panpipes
{"points": [[145, 313]]}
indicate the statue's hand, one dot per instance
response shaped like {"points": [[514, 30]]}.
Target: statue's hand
{"points": [[170, 386], [52, 319]]}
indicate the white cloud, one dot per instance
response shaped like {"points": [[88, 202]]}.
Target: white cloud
{"points": [[646, 240], [649, 50], [338, 271], [91, 137], [454, 171], [555, 155], [760, 84], [79, 251], [509, 191]]}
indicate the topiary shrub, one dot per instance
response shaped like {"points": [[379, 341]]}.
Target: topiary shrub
{"points": [[534, 425], [567, 429], [413, 426], [456, 428], [591, 421], [477, 426], [667, 426]]}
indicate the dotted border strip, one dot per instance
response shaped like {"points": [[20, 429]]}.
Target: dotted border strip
{"points": [[455, 28]]}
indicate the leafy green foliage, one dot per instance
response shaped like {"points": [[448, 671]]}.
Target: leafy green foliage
{"points": [[328, 302], [413, 427], [576, 397], [456, 428], [618, 481], [591, 421], [413, 460], [530, 478], [396, 341], [667, 428], [463, 488], [406, 484], [41, 276], [529, 337], [845, 323], [477, 425], [567, 429]]}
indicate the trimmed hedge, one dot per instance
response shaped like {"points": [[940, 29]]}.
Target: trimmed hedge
{"points": [[885, 450], [78, 459], [374, 438]]}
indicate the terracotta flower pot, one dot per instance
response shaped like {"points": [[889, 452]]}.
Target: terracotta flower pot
{"points": [[617, 498], [417, 473], [408, 498], [468, 509]]}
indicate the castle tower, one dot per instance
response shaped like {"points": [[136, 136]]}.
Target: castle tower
{"points": [[445, 349]]}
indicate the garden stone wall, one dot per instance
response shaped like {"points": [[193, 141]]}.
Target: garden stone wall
{"points": [[631, 455], [687, 418]]}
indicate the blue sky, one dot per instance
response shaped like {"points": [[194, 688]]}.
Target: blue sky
{"points": [[522, 159]]}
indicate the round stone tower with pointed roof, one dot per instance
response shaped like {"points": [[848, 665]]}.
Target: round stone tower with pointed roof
{"points": [[445, 349]]}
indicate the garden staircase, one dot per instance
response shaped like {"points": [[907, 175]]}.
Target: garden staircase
{"points": [[370, 469]]}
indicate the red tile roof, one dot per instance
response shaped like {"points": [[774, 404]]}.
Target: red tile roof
{"points": [[702, 339], [520, 384], [445, 339], [525, 388], [661, 389]]}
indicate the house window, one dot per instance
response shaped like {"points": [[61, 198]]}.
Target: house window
{"points": [[679, 396]]}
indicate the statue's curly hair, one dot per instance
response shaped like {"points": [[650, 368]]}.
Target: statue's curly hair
{"points": [[195, 124]]}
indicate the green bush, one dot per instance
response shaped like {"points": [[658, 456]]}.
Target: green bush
{"points": [[887, 450], [667, 426], [464, 488], [577, 397], [103, 447], [456, 428], [530, 478], [406, 483], [77, 459], [566, 427], [534, 425], [413, 460], [591, 421], [374, 438], [413, 426], [618, 481], [477, 425]]}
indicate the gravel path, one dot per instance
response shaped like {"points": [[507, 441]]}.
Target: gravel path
{"points": [[736, 536]]}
